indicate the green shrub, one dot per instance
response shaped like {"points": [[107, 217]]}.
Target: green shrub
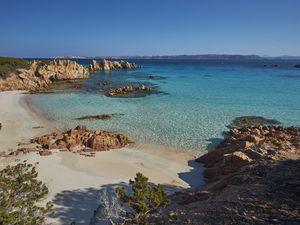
{"points": [[10, 65], [143, 200], [20, 191]]}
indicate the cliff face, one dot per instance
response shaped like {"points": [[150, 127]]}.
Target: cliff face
{"points": [[253, 177], [40, 75], [105, 65]]}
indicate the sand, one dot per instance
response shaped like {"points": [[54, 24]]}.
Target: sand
{"points": [[75, 182]]}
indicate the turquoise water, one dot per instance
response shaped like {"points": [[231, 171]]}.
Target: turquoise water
{"points": [[199, 99]]}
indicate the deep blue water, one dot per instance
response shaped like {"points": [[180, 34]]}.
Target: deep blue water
{"points": [[198, 99]]}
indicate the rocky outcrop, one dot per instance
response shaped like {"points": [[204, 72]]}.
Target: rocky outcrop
{"points": [[253, 177], [126, 90], [40, 75], [297, 66], [78, 140], [106, 65], [120, 91], [246, 145]]}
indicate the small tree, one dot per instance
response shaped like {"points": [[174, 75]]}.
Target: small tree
{"points": [[143, 200], [20, 191]]}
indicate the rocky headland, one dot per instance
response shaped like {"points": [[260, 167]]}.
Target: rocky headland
{"points": [[40, 75], [78, 140], [106, 65], [253, 177]]}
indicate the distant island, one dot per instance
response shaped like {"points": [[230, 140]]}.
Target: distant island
{"points": [[186, 57]]}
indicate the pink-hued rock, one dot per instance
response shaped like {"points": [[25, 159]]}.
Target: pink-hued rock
{"points": [[77, 140], [45, 153], [253, 177], [242, 146]]}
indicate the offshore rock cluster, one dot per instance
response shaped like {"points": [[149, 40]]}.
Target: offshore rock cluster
{"points": [[106, 65]]}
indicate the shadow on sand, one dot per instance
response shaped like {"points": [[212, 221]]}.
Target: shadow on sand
{"points": [[91, 206], [85, 206]]}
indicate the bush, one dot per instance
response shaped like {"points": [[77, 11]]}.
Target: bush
{"points": [[10, 65], [144, 199], [20, 191]]}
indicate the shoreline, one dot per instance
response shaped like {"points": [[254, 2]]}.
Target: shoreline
{"points": [[72, 173], [19, 124]]}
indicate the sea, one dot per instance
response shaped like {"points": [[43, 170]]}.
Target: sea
{"points": [[195, 101]]}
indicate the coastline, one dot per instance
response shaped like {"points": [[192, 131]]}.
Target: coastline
{"points": [[65, 172], [19, 124]]}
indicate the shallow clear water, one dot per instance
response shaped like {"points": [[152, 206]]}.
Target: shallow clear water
{"points": [[200, 98]]}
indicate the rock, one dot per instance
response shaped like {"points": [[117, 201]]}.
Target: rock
{"points": [[61, 144], [126, 90], [251, 121], [106, 65], [21, 151], [142, 87], [45, 153], [49, 146], [41, 75], [120, 91], [297, 66], [255, 185], [105, 83], [96, 117], [243, 145], [236, 159], [103, 143], [79, 139]]}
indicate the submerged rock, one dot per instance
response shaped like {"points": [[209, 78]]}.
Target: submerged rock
{"points": [[297, 66], [105, 83], [155, 77], [273, 65], [250, 121], [106, 65], [96, 117]]}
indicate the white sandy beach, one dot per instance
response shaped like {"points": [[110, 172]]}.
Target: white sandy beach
{"points": [[75, 181]]}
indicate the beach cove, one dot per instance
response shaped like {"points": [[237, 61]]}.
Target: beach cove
{"points": [[170, 121], [72, 177]]}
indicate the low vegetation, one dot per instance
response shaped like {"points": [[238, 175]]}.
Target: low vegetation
{"points": [[143, 200], [9, 65], [20, 196]]}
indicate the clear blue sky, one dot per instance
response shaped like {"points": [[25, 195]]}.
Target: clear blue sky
{"points": [[31, 28]]}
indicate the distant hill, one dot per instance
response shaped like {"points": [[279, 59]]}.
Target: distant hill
{"points": [[286, 57], [187, 57], [203, 57]]}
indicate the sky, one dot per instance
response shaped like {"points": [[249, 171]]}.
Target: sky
{"points": [[45, 28]]}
